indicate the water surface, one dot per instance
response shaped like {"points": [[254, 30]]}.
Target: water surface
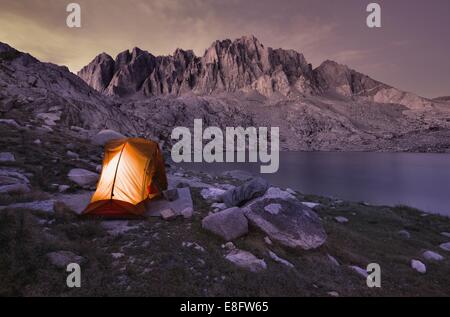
{"points": [[417, 180]]}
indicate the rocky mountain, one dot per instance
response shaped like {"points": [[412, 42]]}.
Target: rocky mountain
{"points": [[45, 95], [225, 67], [442, 99], [235, 83], [231, 66]]}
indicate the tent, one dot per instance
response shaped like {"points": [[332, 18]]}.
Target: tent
{"points": [[132, 173]]}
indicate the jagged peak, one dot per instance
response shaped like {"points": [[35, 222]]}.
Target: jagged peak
{"points": [[123, 57], [103, 57], [334, 64], [244, 40], [181, 52], [248, 39], [136, 51]]}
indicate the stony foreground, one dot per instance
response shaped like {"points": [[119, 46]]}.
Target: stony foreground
{"points": [[280, 242]]}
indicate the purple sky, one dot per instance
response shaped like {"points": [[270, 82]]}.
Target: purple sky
{"points": [[411, 51]]}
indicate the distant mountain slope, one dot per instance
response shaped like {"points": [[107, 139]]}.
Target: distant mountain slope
{"points": [[444, 99], [239, 83], [47, 93]]}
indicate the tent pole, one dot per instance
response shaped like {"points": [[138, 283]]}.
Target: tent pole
{"points": [[115, 174]]}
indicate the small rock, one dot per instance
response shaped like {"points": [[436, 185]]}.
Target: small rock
{"points": [[201, 262], [446, 234], [274, 209], [76, 202], [418, 266], [277, 193], [212, 194], [246, 260], [171, 194], [333, 294], [187, 212], [105, 136], [228, 224], [219, 206], [445, 246], [276, 258], [117, 255], [63, 188], [267, 240], [333, 260], [229, 246], [310, 204], [360, 271], [15, 188], [61, 259], [72, 155], [49, 118], [83, 177], [341, 219], [241, 194], [10, 122], [7, 157], [70, 146], [194, 245], [168, 214], [404, 234], [37, 142], [432, 256]]}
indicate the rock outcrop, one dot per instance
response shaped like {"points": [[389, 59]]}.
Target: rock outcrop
{"points": [[418, 266], [83, 177], [231, 66], [226, 66], [235, 83], [229, 224], [13, 181], [246, 260], [286, 221], [250, 190], [105, 136]]}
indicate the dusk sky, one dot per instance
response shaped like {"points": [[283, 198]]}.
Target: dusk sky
{"points": [[411, 51]]}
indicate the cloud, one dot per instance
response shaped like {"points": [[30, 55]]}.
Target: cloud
{"points": [[325, 29], [352, 56], [159, 26]]}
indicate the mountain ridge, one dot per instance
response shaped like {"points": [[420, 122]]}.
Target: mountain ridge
{"points": [[350, 111], [226, 66]]}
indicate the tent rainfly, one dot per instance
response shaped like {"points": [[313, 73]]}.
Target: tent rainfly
{"points": [[133, 172]]}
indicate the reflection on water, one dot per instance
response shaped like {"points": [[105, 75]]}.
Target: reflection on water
{"points": [[417, 180]]}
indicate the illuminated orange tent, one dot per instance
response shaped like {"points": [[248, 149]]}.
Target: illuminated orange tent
{"points": [[132, 173]]}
